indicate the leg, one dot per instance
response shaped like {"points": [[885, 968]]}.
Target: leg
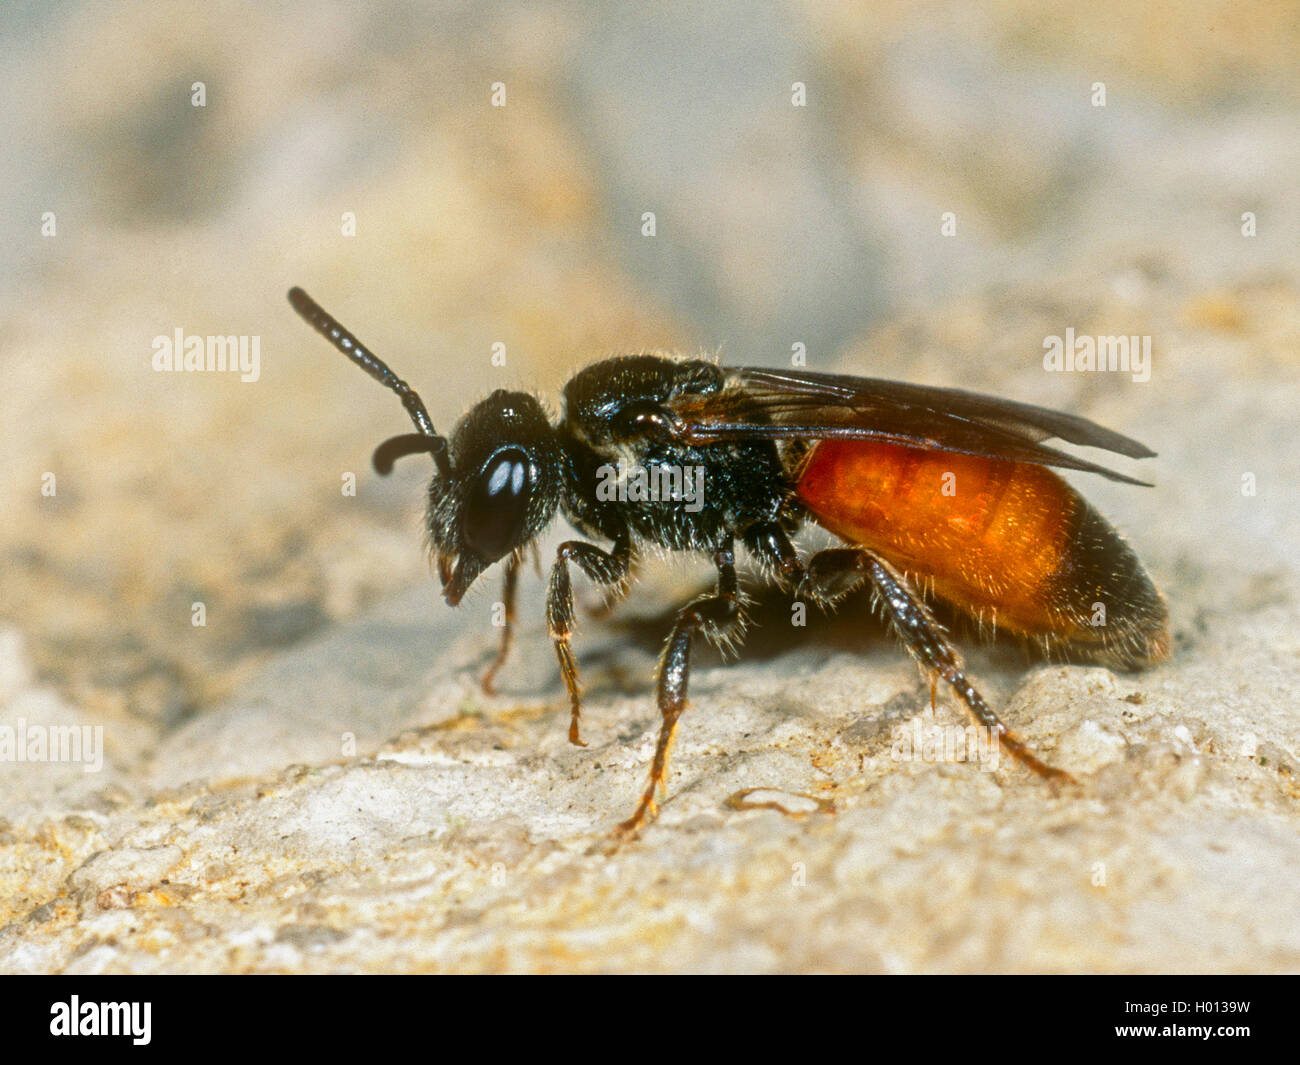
{"points": [[771, 547], [614, 594], [603, 567], [714, 615], [508, 633], [833, 572]]}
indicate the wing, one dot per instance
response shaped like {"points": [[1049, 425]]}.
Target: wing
{"points": [[756, 403]]}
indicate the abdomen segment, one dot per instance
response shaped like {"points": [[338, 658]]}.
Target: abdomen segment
{"points": [[1009, 543]]}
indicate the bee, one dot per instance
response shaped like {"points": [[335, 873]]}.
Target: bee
{"points": [[926, 487]]}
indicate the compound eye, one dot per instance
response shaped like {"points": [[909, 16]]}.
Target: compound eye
{"points": [[498, 503]]}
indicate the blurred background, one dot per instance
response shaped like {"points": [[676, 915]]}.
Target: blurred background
{"points": [[475, 225]]}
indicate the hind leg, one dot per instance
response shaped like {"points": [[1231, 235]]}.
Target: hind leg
{"points": [[832, 573]]}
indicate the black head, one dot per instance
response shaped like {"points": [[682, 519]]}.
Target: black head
{"points": [[498, 482], [503, 491]]}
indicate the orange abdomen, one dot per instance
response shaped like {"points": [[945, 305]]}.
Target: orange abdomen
{"points": [[1010, 543]]}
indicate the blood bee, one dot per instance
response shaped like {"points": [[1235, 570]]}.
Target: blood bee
{"points": [[1012, 545]]}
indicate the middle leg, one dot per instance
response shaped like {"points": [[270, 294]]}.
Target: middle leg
{"points": [[715, 615]]}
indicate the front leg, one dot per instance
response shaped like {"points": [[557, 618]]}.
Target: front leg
{"points": [[715, 615], [603, 567], [833, 572], [508, 632], [615, 594]]}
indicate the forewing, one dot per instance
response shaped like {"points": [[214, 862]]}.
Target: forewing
{"points": [[759, 403]]}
